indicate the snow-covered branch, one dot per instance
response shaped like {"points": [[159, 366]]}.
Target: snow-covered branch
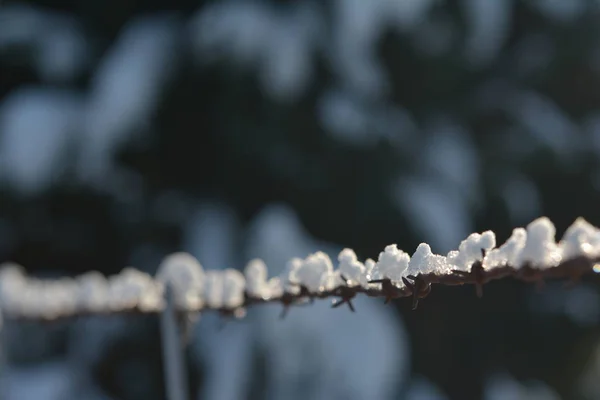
{"points": [[531, 254]]}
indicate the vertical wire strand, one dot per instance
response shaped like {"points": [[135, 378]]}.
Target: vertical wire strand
{"points": [[2, 343], [172, 347]]}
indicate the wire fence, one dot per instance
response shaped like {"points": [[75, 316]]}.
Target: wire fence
{"points": [[182, 288]]}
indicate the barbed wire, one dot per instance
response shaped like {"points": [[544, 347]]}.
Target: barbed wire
{"points": [[135, 292]]}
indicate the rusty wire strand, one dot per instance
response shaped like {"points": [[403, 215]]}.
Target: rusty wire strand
{"points": [[417, 287]]}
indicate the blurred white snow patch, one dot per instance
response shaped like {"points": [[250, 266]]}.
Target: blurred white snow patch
{"points": [[449, 153], [287, 64], [545, 122], [237, 30], [35, 127], [55, 41], [560, 11], [350, 118], [126, 90], [488, 25], [436, 209], [52, 380], [279, 43], [502, 386], [358, 25], [317, 352], [422, 388]]}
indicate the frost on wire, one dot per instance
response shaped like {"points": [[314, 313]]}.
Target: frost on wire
{"points": [[530, 253]]}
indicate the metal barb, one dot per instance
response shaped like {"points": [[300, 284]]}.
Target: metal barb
{"points": [[346, 300], [337, 303], [408, 284], [350, 305], [415, 302]]}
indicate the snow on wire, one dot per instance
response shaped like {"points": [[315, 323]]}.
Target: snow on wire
{"points": [[530, 254]]}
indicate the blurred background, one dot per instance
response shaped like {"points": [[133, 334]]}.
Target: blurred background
{"points": [[240, 129]]}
